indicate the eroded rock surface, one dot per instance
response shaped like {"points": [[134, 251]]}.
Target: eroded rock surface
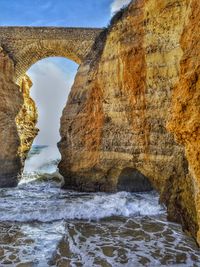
{"points": [[185, 120], [24, 46], [10, 104], [135, 105], [117, 113], [18, 116], [26, 119]]}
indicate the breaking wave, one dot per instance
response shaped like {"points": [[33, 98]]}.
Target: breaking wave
{"points": [[46, 202]]}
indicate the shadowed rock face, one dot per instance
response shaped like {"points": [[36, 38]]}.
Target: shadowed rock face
{"points": [[185, 119], [131, 180], [124, 95], [10, 104]]}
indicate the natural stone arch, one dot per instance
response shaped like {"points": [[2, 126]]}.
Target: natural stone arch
{"points": [[21, 47], [44, 49], [27, 45]]}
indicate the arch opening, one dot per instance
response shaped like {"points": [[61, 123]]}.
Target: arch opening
{"points": [[132, 180], [45, 89]]}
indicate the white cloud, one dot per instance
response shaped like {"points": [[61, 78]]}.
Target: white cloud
{"points": [[118, 4]]}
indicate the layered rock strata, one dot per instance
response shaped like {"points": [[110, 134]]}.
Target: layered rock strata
{"points": [[10, 103], [18, 116], [132, 120], [26, 119], [185, 119], [117, 112]]}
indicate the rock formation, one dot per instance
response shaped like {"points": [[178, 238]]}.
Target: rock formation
{"points": [[135, 105], [10, 104], [18, 116], [27, 45], [185, 119], [133, 115], [21, 47], [26, 119]]}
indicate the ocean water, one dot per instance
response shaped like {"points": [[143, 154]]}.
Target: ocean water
{"points": [[44, 225]]}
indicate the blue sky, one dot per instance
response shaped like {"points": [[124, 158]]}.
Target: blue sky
{"points": [[53, 77], [75, 13]]}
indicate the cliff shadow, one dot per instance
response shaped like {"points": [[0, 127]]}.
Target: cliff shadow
{"points": [[132, 180]]}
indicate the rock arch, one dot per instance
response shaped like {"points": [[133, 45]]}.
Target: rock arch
{"points": [[27, 45], [20, 48]]}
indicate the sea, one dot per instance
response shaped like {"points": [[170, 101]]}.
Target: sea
{"points": [[42, 224]]}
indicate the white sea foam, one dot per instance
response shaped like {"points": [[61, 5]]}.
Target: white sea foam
{"points": [[44, 161], [45, 202], [39, 198], [44, 228]]}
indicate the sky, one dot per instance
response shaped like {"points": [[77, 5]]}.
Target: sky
{"points": [[52, 80], [53, 77], [73, 13]]}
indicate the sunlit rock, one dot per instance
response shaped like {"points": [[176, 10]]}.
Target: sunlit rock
{"points": [[10, 104], [123, 96], [26, 119]]}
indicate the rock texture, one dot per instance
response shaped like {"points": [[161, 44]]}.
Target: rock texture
{"points": [[27, 45], [118, 114], [10, 104], [134, 110], [18, 116], [26, 119], [185, 119], [21, 47]]}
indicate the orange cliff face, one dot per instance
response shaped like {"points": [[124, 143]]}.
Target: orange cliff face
{"points": [[26, 119], [122, 111], [10, 103], [185, 119], [134, 110], [18, 116]]}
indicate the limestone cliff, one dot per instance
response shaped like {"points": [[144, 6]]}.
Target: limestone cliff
{"points": [[10, 103], [185, 119], [18, 117], [117, 113], [26, 119]]}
